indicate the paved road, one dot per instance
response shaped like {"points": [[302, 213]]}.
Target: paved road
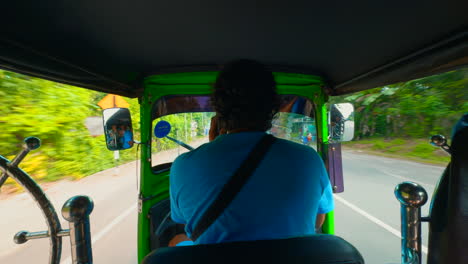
{"points": [[367, 214], [114, 193]]}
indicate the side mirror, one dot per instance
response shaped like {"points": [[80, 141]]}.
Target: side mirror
{"points": [[118, 128], [341, 122]]}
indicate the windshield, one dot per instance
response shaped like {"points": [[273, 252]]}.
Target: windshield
{"points": [[190, 117], [295, 127], [190, 128]]}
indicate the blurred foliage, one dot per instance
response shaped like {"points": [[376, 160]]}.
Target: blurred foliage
{"points": [[415, 109], [55, 113]]}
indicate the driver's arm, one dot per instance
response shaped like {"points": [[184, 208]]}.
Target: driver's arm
{"points": [[320, 220], [326, 203]]}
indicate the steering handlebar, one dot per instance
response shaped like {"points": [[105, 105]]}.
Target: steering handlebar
{"points": [[76, 210]]}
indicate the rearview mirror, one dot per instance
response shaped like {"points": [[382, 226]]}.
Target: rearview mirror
{"points": [[118, 128], [341, 122]]}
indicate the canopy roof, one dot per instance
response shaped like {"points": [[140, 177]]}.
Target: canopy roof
{"points": [[112, 45]]}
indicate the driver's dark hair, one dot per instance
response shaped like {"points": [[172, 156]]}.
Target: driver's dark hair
{"points": [[245, 96]]}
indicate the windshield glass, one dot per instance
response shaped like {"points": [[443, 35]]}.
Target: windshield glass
{"points": [[189, 128], [190, 117], [295, 127]]}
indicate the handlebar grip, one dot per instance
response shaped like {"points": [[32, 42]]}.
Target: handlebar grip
{"points": [[412, 197], [76, 211]]}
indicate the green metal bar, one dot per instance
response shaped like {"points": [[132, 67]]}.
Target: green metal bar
{"points": [[210, 77], [329, 224], [145, 167], [322, 121]]}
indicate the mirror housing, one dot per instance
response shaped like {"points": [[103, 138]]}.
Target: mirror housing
{"points": [[341, 122], [118, 128]]}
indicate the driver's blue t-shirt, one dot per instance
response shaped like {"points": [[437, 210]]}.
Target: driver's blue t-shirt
{"points": [[281, 199]]}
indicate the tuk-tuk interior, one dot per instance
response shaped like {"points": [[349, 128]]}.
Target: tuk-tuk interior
{"points": [[159, 51]]}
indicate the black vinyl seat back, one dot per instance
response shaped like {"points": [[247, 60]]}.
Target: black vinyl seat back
{"points": [[448, 227], [315, 249]]}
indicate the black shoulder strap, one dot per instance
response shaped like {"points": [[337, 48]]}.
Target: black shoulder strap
{"points": [[233, 186]]}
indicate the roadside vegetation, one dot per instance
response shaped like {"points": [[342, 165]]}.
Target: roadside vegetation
{"points": [[56, 114], [418, 150], [398, 120], [395, 120]]}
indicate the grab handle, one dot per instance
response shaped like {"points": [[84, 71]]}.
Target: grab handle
{"points": [[411, 196], [76, 211]]}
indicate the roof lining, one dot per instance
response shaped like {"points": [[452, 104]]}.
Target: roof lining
{"points": [[456, 39], [59, 76]]}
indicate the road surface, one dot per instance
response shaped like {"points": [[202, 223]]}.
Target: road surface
{"points": [[367, 213]]}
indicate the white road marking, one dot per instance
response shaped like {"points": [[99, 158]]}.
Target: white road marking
{"points": [[374, 219], [407, 179], [106, 229]]}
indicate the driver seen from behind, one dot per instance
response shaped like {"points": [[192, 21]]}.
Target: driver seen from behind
{"points": [[287, 195]]}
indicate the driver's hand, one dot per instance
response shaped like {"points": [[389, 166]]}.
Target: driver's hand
{"points": [[215, 131], [177, 239]]}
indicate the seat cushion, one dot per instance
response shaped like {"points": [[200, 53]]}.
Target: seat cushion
{"points": [[309, 249]]}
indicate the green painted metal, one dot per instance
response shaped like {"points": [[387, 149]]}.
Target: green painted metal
{"points": [[328, 226], [145, 169], [322, 126], [154, 188]]}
